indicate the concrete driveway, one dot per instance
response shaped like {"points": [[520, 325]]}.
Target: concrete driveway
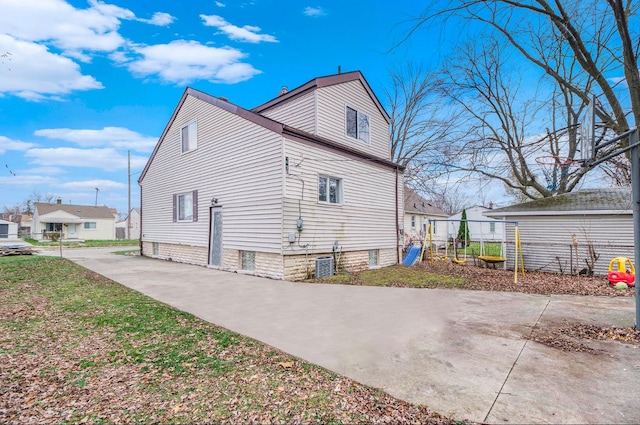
{"points": [[462, 353]]}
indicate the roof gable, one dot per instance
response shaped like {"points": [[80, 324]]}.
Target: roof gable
{"points": [[593, 200], [414, 203], [265, 122], [325, 81]]}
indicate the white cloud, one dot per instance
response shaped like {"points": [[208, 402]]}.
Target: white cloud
{"points": [[27, 181], [184, 61], [58, 23], [106, 159], [34, 73], [43, 170], [92, 184], [220, 4], [247, 33], [314, 12], [116, 137], [7, 144], [160, 19]]}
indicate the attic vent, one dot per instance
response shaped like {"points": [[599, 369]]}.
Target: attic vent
{"points": [[324, 266], [414, 205], [423, 204]]}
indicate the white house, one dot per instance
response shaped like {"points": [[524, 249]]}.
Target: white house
{"points": [[564, 233], [8, 230], [482, 227], [417, 213], [73, 222], [304, 179], [132, 222]]}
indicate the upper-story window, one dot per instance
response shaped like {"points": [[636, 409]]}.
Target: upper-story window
{"points": [[189, 137], [357, 125]]}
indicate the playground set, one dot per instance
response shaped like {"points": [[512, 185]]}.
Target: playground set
{"points": [[438, 250]]}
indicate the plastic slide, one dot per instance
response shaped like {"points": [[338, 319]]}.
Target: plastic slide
{"points": [[412, 255]]}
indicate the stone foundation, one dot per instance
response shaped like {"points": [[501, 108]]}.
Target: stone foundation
{"points": [[300, 267], [188, 254], [275, 266], [266, 264]]}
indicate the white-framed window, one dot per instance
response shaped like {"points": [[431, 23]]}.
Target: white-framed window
{"points": [[248, 260], [189, 137], [357, 124], [329, 190], [492, 227], [90, 225], [413, 221], [185, 206], [156, 248]]}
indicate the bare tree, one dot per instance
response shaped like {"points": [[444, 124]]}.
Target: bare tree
{"points": [[598, 34], [418, 123], [501, 141]]}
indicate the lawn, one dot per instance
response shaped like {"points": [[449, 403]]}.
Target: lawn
{"points": [[86, 243], [76, 347]]}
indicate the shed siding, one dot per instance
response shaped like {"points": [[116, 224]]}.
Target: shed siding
{"points": [[236, 161], [299, 113], [366, 218], [332, 103], [547, 242]]}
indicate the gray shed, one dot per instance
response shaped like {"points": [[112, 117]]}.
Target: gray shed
{"points": [[573, 231]]}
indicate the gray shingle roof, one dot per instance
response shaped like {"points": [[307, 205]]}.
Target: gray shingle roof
{"points": [[82, 211], [417, 204], [612, 199]]}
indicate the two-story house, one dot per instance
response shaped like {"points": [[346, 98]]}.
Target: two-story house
{"points": [[305, 179]]}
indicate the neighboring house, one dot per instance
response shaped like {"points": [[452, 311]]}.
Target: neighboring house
{"points": [[8, 230], [122, 227], [417, 213], [303, 179], [484, 229], [557, 232], [73, 221]]}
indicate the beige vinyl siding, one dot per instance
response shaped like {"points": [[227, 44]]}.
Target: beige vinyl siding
{"points": [[237, 162], [332, 103], [299, 113], [547, 242], [366, 218]]}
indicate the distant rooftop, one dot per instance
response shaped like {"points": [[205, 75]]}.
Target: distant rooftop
{"points": [[611, 199]]}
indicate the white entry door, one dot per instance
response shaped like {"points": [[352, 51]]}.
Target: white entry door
{"points": [[72, 231]]}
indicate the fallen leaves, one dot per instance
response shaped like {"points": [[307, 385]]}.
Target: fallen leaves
{"points": [[123, 358]]}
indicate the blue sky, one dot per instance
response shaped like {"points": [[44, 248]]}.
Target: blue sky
{"points": [[83, 82]]}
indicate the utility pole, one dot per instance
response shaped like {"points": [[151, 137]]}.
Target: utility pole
{"points": [[97, 196], [129, 195]]}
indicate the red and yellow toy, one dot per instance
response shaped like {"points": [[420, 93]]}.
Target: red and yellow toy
{"points": [[621, 270]]}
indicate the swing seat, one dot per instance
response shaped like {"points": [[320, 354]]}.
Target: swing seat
{"points": [[492, 259], [458, 261]]}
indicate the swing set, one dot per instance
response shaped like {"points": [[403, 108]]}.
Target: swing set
{"points": [[485, 257]]}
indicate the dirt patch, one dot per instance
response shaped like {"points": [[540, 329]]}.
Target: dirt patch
{"points": [[574, 337]]}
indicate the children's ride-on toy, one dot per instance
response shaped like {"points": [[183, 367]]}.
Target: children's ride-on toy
{"points": [[621, 270]]}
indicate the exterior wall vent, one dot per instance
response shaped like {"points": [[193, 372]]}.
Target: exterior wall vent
{"points": [[324, 267]]}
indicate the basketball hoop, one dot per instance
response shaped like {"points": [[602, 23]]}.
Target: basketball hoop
{"points": [[556, 169]]}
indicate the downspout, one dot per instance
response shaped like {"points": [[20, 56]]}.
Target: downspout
{"points": [[397, 225], [139, 240]]}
